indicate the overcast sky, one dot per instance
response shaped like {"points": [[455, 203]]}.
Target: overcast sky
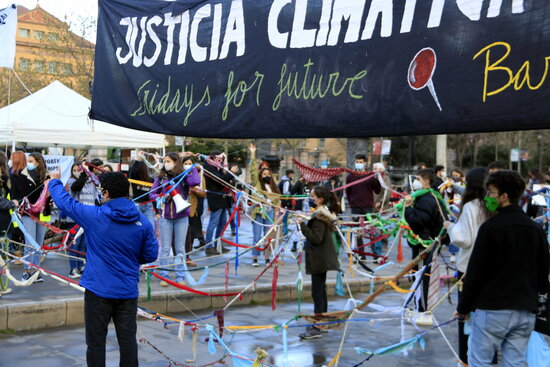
{"points": [[75, 10]]}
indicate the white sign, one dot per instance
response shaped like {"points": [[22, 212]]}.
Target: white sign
{"points": [[514, 155], [179, 140], [386, 147], [8, 27], [63, 161]]}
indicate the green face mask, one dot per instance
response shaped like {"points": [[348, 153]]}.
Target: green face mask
{"points": [[491, 203]]}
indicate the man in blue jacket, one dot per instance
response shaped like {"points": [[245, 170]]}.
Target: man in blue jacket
{"points": [[118, 240]]}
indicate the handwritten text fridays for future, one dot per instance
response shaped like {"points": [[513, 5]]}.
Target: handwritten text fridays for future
{"points": [[181, 31]]}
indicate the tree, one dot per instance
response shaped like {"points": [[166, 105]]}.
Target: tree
{"points": [[58, 54]]}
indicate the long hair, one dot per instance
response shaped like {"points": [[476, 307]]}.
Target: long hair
{"points": [[139, 172], [4, 171], [475, 188], [18, 162], [42, 169], [329, 198], [4, 163], [178, 165], [272, 183]]}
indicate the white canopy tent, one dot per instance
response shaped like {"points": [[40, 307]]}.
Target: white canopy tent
{"points": [[58, 116]]}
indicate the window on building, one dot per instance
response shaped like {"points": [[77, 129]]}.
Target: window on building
{"points": [[66, 69], [52, 36], [24, 33], [38, 66], [24, 64], [53, 67], [38, 35], [322, 143]]}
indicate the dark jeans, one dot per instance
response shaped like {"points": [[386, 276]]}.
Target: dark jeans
{"points": [[319, 292], [194, 231], [98, 312], [462, 338]]}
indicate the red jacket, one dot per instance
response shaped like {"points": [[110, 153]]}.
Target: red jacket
{"points": [[361, 195]]}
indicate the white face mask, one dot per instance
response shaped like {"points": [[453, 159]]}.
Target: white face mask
{"points": [[76, 174], [168, 166], [417, 185], [187, 166]]}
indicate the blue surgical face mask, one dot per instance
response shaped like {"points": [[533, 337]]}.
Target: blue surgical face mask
{"points": [[30, 166], [359, 166]]}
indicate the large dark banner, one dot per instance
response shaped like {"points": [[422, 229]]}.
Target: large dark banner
{"points": [[322, 68]]}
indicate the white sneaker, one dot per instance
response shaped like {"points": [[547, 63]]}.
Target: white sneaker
{"points": [[74, 273]]}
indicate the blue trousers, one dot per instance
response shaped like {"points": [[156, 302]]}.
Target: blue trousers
{"points": [[215, 223], [505, 329]]}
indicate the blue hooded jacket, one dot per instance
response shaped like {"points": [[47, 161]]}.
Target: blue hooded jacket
{"points": [[118, 240]]}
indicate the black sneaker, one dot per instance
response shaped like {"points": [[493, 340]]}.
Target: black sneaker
{"points": [[255, 263], [266, 262], [39, 279], [311, 333], [74, 273], [294, 246]]}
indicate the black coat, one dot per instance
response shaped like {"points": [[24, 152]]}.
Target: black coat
{"points": [[424, 217], [299, 188], [509, 264], [320, 251], [216, 193], [5, 205], [22, 185]]}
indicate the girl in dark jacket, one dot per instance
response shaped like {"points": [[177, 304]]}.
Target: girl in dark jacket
{"points": [[425, 217], [320, 251], [28, 175]]}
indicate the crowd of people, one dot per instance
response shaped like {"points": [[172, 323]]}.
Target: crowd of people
{"points": [[491, 230]]}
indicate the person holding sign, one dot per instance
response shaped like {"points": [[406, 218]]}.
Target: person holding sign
{"points": [[82, 188]]}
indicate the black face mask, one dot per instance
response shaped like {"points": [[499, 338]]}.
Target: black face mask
{"points": [[312, 203], [266, 179]]}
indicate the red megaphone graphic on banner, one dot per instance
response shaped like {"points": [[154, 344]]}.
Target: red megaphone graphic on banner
{"points": [[421, 71]]}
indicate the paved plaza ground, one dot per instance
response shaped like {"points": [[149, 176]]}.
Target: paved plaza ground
{"points": [[65, 346]]}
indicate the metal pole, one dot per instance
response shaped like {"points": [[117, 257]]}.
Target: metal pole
{"points": [[441, 150], [539, 149], [519, 152]]}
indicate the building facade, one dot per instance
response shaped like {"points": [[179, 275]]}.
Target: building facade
{"points": [[46, 50]]}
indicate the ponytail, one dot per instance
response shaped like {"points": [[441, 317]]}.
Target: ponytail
{"points": [[329, 198]]}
